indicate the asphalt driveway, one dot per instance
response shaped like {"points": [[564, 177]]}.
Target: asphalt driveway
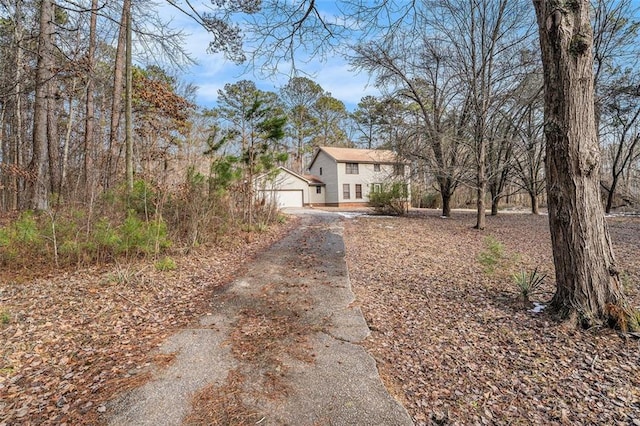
{"points": [[287, 327]]}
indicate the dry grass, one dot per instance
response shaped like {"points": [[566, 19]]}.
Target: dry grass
{"points": [[222, 405]]}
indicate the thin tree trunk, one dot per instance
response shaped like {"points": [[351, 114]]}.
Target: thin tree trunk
{"points": [[610, 195], [481, 184], [445, 193], [587, 278], [67, 139], [128, 108], [18, 123], [118, 86], [89, 129], [53, 140], [534, 203], [495, 200]]}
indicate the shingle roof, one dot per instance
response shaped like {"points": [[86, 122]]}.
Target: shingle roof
{"points": [[313, 180], [355, 155]]}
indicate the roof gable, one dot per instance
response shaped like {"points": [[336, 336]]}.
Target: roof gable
{"points": [[289, 172]]}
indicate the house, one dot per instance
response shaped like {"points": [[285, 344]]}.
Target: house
{"points": [[338, 177], [351, 174]]}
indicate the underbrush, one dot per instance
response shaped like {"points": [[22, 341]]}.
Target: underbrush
{"points": [[149, 221]]}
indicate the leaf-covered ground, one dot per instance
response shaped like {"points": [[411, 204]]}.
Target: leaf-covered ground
{"points": [[454, 344], [452, 341], [72, 341]]}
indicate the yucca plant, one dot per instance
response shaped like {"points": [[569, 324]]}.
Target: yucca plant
{"points": [[529, 283]]}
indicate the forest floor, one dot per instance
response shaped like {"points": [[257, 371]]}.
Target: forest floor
{"points": [[455, 344], [452, 340], [72, 340]]}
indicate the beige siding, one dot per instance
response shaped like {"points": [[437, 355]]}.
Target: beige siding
{"points": [[334, 175], [285, 181], [314, 197], [366, 177], [329, 176]]}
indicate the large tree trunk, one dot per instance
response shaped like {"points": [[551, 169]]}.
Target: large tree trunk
{"points": [[38, 179], [588, 285]]}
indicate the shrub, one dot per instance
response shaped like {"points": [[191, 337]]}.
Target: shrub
{"points": [[166, 264], [138, 237], [392, 199], [492, 255], [5, 318], [529, 284]]}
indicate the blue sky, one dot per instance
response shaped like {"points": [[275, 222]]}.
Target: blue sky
{"points": [[214, 71]]}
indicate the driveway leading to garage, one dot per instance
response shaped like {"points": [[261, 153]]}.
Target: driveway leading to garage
{"points": [[282, 340]]}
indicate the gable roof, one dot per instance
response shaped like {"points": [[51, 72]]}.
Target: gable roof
{"points": [[309, 179], [356, 155]]}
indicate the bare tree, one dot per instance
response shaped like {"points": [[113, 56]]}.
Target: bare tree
{"points": [[622, 140], [529, 143]]}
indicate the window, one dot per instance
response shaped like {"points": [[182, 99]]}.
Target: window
{"points": [[351, 168], [358, 190], [320, 171], [376, 187], [376, 167], [398, 169], [346, 191], [318, 190]]}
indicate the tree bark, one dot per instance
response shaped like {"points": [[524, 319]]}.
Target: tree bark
{"points": [[588, 285], [118, 86], [446, 205], [534, 203], [481, 182], [89, 128], [53, 139], [128, 107], [38, 180]]}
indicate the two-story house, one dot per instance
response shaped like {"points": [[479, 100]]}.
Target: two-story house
{"points": [[337, 177], [349, 175]]}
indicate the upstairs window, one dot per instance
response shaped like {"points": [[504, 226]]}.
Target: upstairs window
{"points": [[376, 167], [398, 169], [320, 171], [351, 168]]}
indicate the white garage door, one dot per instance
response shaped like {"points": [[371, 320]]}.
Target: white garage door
{"points": [[292, 198]]}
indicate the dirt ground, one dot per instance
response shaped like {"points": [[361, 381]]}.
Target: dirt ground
{"points": [[456, 346]]}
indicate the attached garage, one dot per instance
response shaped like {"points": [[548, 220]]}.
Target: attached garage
{"points": [[287, 188], [285, 198]]}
